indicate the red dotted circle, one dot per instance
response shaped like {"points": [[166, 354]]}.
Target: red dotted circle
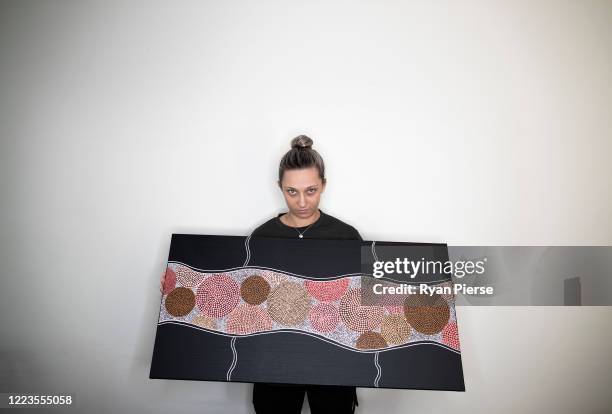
{"points": [[450, 335], [324, 317], [327, 291], [217, 295]]}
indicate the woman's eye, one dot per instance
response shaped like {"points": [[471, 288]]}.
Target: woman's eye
{"points": [[291, 192], [312, 190]]}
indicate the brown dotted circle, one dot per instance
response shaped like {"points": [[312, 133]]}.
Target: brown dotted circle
{"points": [[371, 340], [254, 290], [288, 303], [395, 329], [427, 314], [180, 301]]}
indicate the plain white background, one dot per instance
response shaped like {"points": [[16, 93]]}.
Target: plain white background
{"points": [[470, 123]]}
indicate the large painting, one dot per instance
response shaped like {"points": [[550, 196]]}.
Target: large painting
{"points": [[302, 311]]}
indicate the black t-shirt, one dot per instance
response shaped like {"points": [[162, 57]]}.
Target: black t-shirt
{"points": [[326, 227]]}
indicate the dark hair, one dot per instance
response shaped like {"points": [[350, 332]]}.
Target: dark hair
{"points": [[301, 155]]}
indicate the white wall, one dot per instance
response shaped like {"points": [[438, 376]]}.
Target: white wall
{"points": [[471, 123]]}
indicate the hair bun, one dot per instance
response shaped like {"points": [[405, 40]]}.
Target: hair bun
{"points": [[301, 142]]}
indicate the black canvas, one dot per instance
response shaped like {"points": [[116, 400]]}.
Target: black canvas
{"points": [[253, 309]]}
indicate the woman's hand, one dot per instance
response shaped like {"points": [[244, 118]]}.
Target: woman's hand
{"points": [[161, 282]]}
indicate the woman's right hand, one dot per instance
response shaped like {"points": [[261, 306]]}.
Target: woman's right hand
{"points": [[162, 280]]}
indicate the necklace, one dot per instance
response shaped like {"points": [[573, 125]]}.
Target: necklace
{"points": [[301, 233]]}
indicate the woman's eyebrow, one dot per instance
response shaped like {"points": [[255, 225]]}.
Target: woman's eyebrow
{"points": [[307, 188]]}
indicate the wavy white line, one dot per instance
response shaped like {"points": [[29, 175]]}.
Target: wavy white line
{"points": [[234, 359], [374, 251], [314, 336], [263, 268], [298, 275], [378, 369], [248, 251]]}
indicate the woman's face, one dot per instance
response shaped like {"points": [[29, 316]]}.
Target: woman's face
{"points": [[302, 191]]}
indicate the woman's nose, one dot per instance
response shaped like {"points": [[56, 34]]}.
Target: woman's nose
{"points": [[302, 201]]}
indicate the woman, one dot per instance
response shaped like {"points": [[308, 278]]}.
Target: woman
{"points": [[301, 178]]}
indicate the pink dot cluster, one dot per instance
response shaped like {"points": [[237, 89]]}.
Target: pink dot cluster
{"points": [[217, 295]]}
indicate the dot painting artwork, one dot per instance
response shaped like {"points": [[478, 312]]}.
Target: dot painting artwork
{"points": [[269, 310]]}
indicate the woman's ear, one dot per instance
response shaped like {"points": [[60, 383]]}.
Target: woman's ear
{"points": [[323, 186]]}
